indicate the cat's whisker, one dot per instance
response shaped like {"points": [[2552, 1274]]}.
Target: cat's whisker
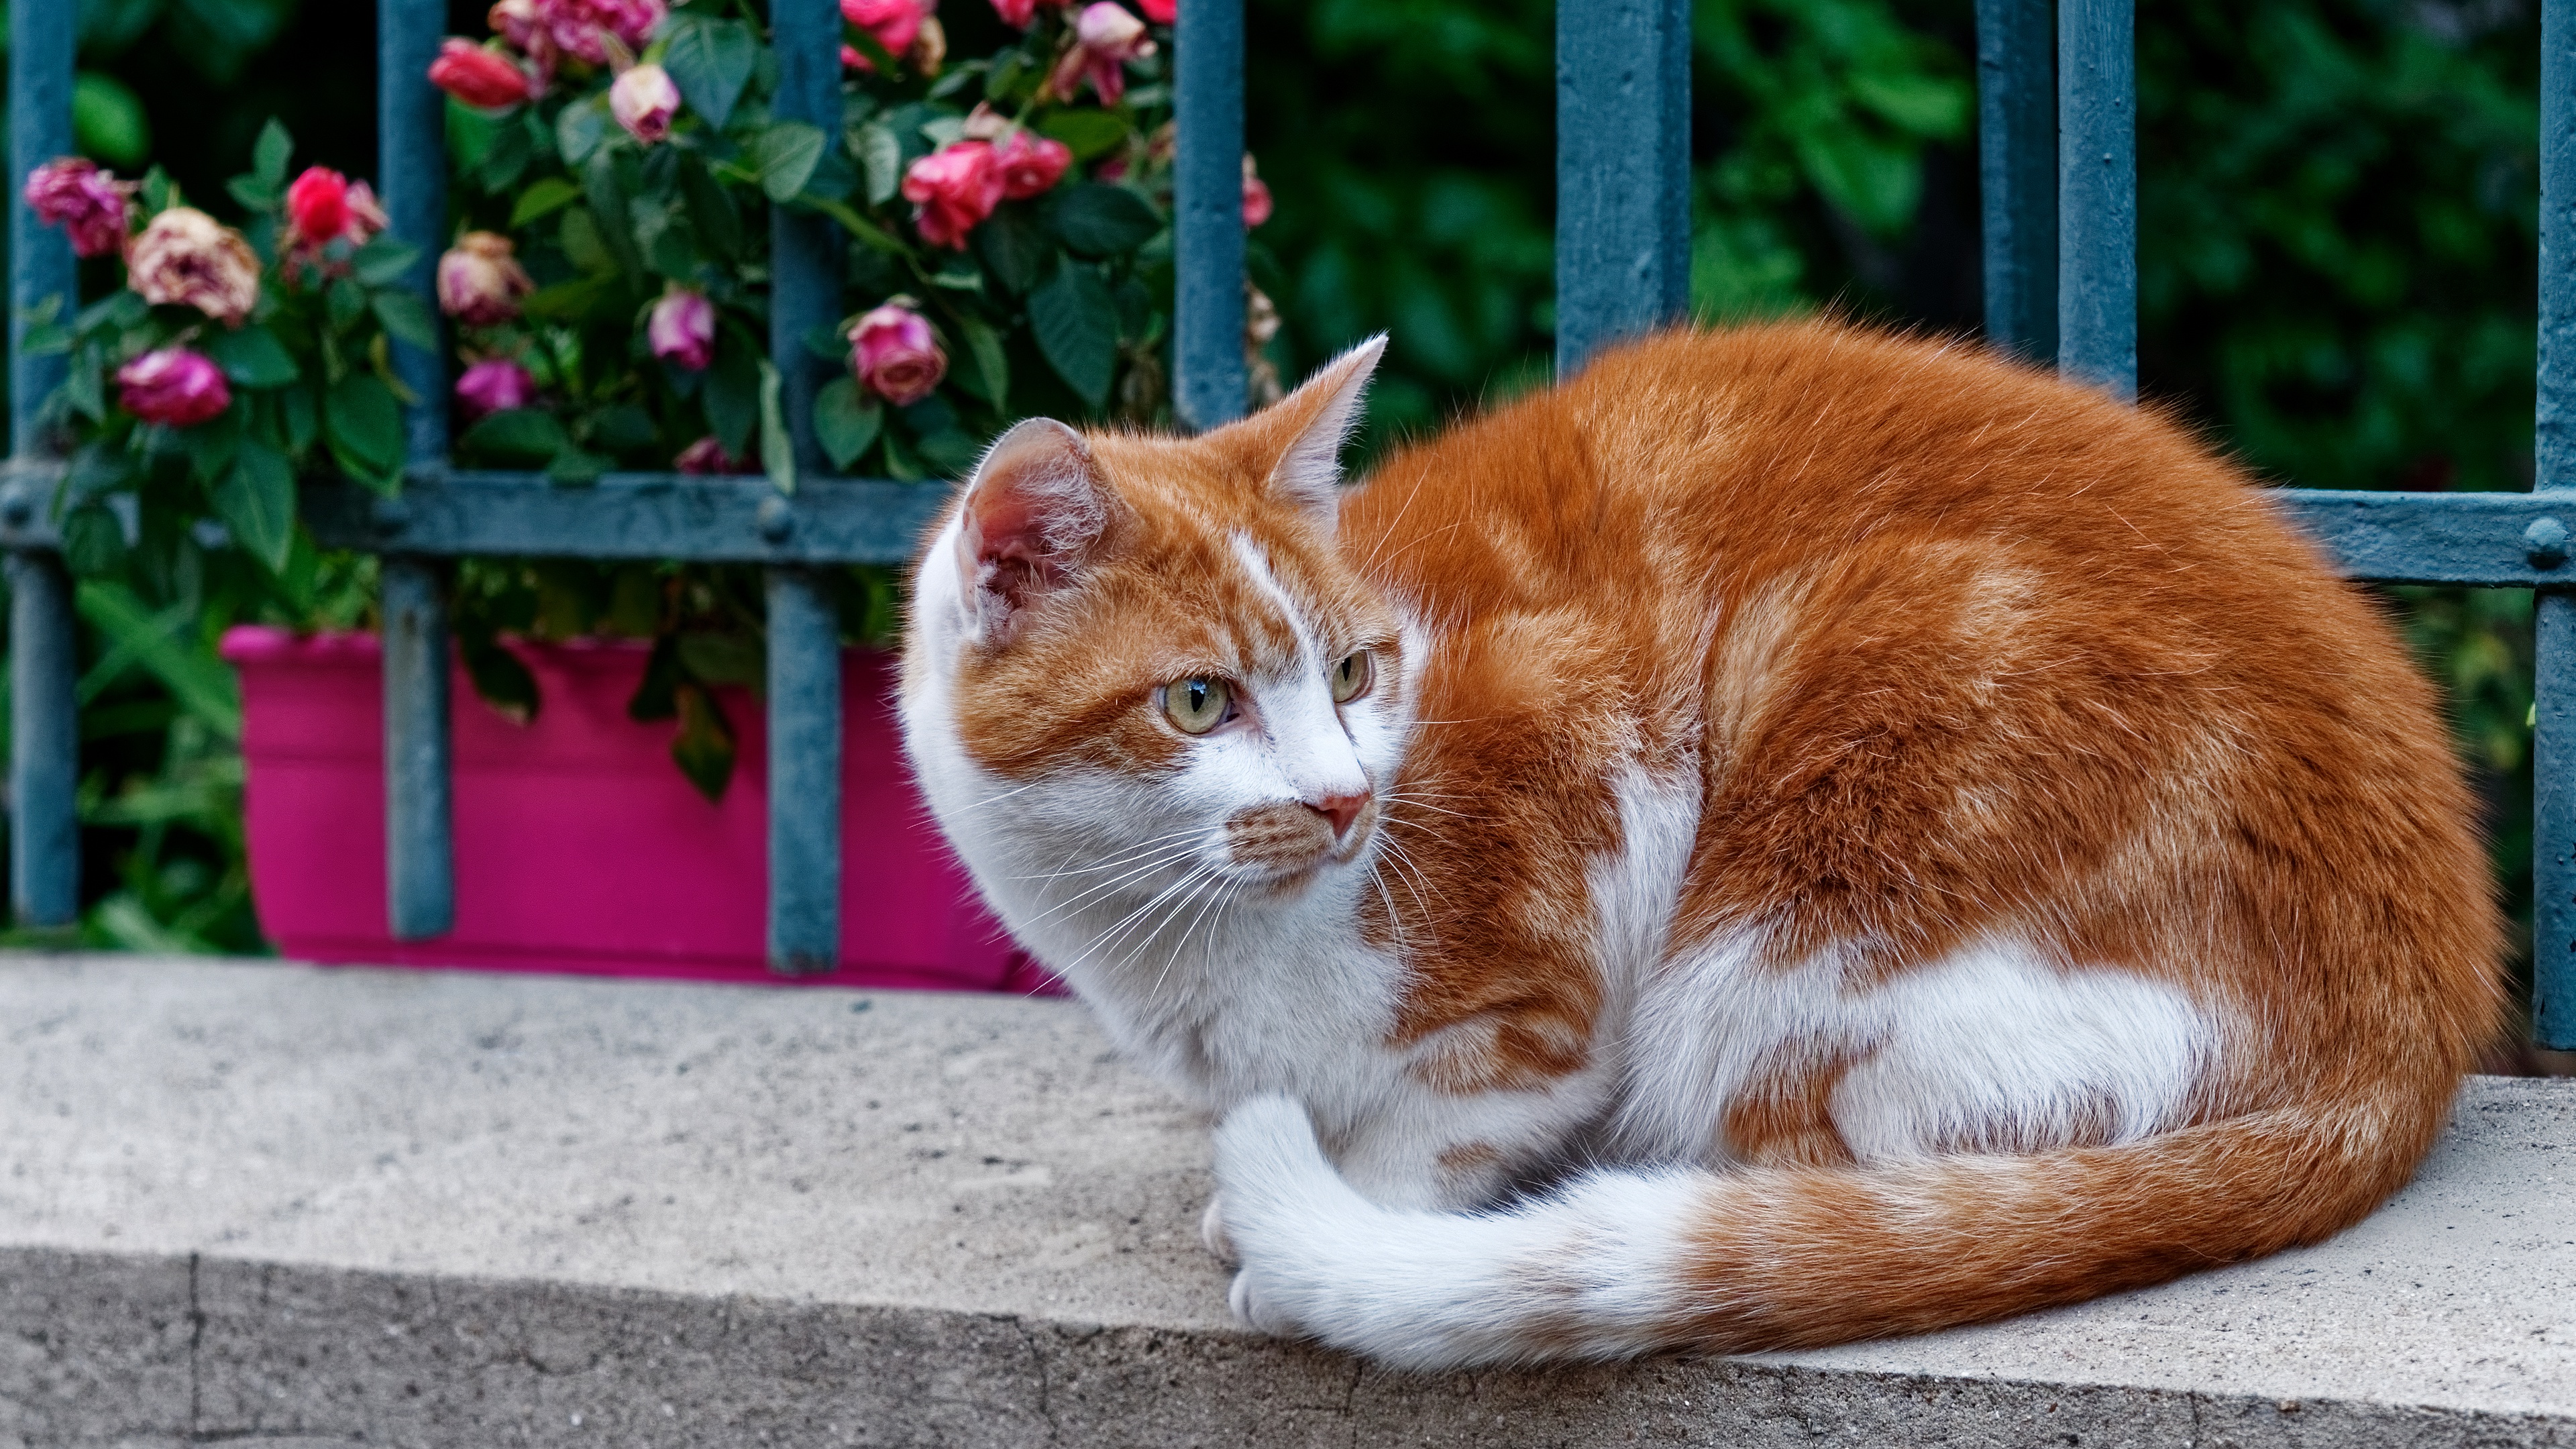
{"points": [[1161, 861], [1138, 849]]}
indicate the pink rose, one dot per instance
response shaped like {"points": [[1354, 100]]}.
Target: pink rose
{"points": [[591, 30], [952, 189], [1022, 13], [495, 385], [706, 455], [1256, 195], [644, 100], [1106, 38], [317, 205], [894, 23], [81, 199], [894, 356], [1030, 163], [682, 329], [480, 282], [479, 78], [189, 258], [1161, 12], [174, 386]]}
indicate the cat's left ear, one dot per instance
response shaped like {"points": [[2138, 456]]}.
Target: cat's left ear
{"points": [[1318, 417]]}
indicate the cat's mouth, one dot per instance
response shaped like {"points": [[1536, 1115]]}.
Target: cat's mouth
{"points": [[1284, 846]]}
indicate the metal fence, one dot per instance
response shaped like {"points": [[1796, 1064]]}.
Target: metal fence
{"points": [[2057, 136]]}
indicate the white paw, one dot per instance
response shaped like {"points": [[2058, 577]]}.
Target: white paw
{"points": [[1212, 1231], [1257, 1311]]}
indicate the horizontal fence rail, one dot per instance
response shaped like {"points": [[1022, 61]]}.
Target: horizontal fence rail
{"points": [[2058, 168]]}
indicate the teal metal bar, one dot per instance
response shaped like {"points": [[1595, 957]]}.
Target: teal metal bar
{"points": [[2097, 195], [2017, 174], [1208, 377], [804, 628], [1622, 171], [44, 756], [629, 515], [2553, 767], [411, 160]]}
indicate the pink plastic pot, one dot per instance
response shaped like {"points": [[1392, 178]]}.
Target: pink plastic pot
{"points": [[579, 846]]}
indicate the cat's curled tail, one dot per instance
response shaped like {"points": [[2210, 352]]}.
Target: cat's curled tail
{"points": [[1622, 1262]]}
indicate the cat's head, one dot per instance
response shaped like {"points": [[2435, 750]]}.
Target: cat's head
{"points": [[1151, 651]]}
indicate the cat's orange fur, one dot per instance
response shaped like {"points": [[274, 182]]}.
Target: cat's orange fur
{"points": [[1942, 652]]}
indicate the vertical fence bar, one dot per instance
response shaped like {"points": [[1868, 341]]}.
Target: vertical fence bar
{"points": [[2017, 174], [1207, 205], [44, 759], [411, 161], [1622, 171], [804, 627], [2097, 194], [2553, 766]]}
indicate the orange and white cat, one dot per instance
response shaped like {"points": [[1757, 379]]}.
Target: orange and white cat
{"points": [[1794, 835]]}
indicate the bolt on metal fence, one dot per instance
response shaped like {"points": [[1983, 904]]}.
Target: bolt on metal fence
{"points": [[2057, 136]]}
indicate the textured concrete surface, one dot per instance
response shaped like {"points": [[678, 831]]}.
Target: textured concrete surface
{"points": [[302, 1208]]}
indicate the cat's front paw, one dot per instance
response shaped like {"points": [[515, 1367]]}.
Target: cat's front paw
{"points": [[1260, 1311], [1212, 1231]]}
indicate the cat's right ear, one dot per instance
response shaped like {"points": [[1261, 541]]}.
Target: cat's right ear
{"points": [[1030, 521]]}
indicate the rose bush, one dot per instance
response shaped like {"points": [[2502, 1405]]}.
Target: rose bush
{"points": [[613, 167]]}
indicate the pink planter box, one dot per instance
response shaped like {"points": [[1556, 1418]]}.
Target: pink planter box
{"points": [[579, 847]]}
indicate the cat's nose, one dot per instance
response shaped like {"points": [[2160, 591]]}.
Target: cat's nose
{"points": [[1341, 810]]}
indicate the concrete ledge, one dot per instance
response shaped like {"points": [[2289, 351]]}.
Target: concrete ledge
{"points": [[306, 1208]]}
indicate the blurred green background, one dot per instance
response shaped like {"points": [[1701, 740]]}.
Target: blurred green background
{"points": [[2337, 197]]}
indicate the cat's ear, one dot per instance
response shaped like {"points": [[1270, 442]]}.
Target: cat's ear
{"points": [[1030, 521], [1320, 416]]}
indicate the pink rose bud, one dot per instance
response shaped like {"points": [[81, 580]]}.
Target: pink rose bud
{"points": [[644, 100], [495, 385], [706, 455], [1161, 12], [188, 258], [77, 196], [952, 189], [479, 78], [480, 282], [174, 386], [317, 205], [894, 23], [1256, 195], [1106, 38], [682, 329], [894, 356], [1022, 13], [1030, 164]]}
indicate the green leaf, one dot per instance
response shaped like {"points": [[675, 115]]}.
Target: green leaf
{"points": [[361, 420], [846, 420], [544, 196], [212, 443], [704, 748], [711, 62], [880, 158], [1014, 245], [725, 657], [256, 501], [1090, 133], [108, 120], [787, 153], [580, 130], [300, 416], [93, 542], [653, 699], [777, 449], [1076, 323], [610, 207], [270, 153], [497, 674], [251, 356], [733, 395], [711, 211], [584, 244], [520, 435], [576, 468], [385, 262], [347, 302], [203, 684], [991, 363], [407, 319], [577, 299], [512, 149], [1097, 220], [867, 232]]}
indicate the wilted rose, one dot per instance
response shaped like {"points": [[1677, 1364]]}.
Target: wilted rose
{"points": [[894, 356], [591, 30], [175, 386], [644, 100], [952, 189], [682, 329], [1106, 38], [706, 455], [480, 282], [1256, 195], [89, 203], [1029, 163], [495, 385], [187, 257], [1161, 12], [478, 77], [929, 49]]}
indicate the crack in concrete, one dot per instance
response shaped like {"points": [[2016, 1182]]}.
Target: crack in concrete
{"points": [[196, 1339], [1046, 1397]]}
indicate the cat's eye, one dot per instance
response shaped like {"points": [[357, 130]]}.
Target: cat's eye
{"points": [[1196, 706], [1352, 676]]}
